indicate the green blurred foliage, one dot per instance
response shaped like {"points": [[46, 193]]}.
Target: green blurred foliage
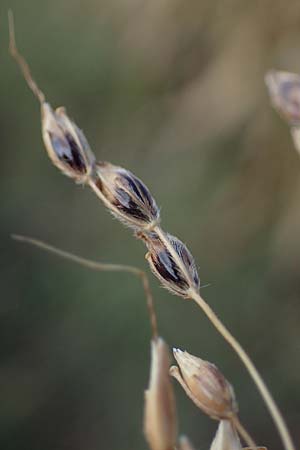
{"points": [[174, 91]]}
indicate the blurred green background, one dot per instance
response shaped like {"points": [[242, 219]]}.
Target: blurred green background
{"points": [[174, 91]]}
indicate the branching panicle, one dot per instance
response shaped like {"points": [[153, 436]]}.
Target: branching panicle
{"points": [[130, 200]]}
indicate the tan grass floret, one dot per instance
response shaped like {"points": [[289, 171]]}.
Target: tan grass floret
{"points": [[173, 265], [226, 437], [66, 144], [126, 196], [205, 385], [160, 421]]}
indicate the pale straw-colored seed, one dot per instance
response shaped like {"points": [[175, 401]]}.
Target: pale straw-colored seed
{"points": [[255, 448], [205, 385], [160, 421], [226, 437]]}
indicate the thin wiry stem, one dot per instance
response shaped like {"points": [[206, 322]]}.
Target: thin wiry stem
{"points": [[91, 182], [259, 382], [236, 346], [94, 265], [243, 432], [21, 61]]}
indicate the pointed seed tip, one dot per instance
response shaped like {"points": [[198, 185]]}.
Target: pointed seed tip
{"points": [[176, 350]]}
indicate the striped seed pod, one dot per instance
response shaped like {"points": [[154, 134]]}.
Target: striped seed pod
{"points": [[66, 144], [126, 196], [173, 266], [284, 90], [205, 385]]}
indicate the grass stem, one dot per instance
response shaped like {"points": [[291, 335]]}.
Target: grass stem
{"points": [[94, 265], [236, 346]]}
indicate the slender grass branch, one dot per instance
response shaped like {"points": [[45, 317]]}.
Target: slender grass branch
{"points": [[259, 382], [236, 346], [98, 266], [243, 432], [21, 61]]}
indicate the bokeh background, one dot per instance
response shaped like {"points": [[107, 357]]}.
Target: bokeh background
{"points": [[174, 91]]}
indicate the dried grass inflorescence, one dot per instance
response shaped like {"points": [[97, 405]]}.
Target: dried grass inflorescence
{"points": [[177, 273], [160, 420], [127, 197], [226, 437], [205, 385], [66, 144]]}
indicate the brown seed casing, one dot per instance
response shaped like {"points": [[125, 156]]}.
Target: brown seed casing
{"points": [[126, 196], [66, 144], [178, 275], [205, 385]]}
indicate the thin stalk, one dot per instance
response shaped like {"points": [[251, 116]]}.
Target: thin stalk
{"points": [[236, 346], [21, 61], [91, 182], [243, 432], [94, 265], [259, 382]]}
